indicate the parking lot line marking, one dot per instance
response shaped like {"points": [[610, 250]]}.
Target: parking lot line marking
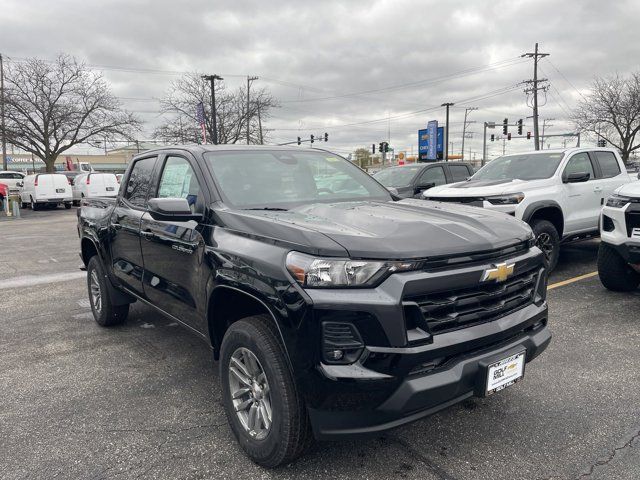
{"points": [[571, 280]]}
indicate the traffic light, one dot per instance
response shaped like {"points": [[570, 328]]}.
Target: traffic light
{"points": [[520, 127], [381, 147], [509, 136], [528, 135], [299, 141], [505, 124], [493, 137], [602, 143], [373, 148], [326, 137], [386, 147], [312, 138]]}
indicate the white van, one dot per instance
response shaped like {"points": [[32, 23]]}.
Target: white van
{"points": [[46, 189], [12, 179], [92, 185]]}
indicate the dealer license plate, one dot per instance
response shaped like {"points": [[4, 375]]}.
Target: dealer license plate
{"points": [[60, 190], [635, 233], [505, 372], [110, 189]]}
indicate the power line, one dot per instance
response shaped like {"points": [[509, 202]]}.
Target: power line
{"points": [[469, 71]]}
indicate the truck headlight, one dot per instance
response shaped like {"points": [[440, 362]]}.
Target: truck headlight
{"points": [[617, 201], [322, 272], [511, 199]]}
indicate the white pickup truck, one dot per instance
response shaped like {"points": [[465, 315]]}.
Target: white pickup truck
{"points": [[619, 253], [559, 193]]}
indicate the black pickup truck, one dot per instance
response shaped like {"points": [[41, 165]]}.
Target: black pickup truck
{"points": [[334, 308]]}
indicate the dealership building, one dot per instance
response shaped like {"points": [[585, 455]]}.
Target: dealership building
{"points": [[112, 161]]}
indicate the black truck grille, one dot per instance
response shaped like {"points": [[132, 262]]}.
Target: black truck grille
{"points": [[454, 309], [473, 201], [632, 218]]}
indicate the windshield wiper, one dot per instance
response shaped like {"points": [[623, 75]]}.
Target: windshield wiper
{"points": [[271, 209]]}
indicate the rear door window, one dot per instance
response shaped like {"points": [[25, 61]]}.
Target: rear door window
{"points": [[139, 181], [459, 173], [608, 164]]}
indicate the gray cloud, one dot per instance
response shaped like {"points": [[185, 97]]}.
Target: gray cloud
{"points": [[307, 50]]}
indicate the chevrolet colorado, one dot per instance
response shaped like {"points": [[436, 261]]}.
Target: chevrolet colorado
{"points": [[619, 252], [558, 192], [334, 308]]}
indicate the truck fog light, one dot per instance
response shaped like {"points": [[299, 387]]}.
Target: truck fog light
{"points": [[341, 343], [335, 355]]}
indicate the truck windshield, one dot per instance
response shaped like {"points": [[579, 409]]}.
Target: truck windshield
{"points": [[397, 176], [282, 179], [526, 166]]}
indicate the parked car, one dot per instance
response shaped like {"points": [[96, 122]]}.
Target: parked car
{"points": [[331, 313], [91, 185], [46, 189], [411, 180], [13, 180], [558, 192], [619, 252]]}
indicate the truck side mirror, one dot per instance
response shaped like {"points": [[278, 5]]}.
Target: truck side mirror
{"points": [[423, 186], [577, 177], [168, 209]]}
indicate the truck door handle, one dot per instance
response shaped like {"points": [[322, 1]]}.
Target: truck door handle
{"points": [[147, 234], [597, 189], [116, 226]]}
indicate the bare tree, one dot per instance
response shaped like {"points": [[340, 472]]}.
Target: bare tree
{"points": [[612, 112], [52, 106], [179, 107], [362, 157]]}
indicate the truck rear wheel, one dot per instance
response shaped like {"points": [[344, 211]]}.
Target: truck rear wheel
{"points": [[34, 205], [547, 240], [105, 313], [615, 274], [264, 410]]}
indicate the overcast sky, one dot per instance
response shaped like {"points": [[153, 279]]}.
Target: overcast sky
{"points": [[317, 58]]}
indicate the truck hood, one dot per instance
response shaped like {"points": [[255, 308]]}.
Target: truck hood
{"points": [[391, 230], [482, 188], [630, 190]]}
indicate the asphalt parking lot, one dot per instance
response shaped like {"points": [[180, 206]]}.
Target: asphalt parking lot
{"points": [[143, 400]]}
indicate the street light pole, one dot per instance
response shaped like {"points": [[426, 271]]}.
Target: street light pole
{"points": [[446, 132]]}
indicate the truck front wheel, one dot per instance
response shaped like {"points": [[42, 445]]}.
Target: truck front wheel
{"points": [[616, 274], [105, 312], [263, 407], [547, 240]]}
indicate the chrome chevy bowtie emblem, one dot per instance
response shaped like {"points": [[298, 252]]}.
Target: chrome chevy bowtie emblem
{"points": [[499, 273]]}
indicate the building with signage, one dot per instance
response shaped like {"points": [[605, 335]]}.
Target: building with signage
{"points": [[113, 161]]}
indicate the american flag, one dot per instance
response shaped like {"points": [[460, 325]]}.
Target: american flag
{"points": [[201, 120]]}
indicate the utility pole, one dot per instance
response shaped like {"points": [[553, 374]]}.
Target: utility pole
{"points": [[2, 126], [249, 80], [446, 132], [260, 124], [214, 126], [464, 126], [544, 124], [534, 89]]}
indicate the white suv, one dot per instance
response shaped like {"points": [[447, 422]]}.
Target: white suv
{"points": [[559, 193], [619, 253]]}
